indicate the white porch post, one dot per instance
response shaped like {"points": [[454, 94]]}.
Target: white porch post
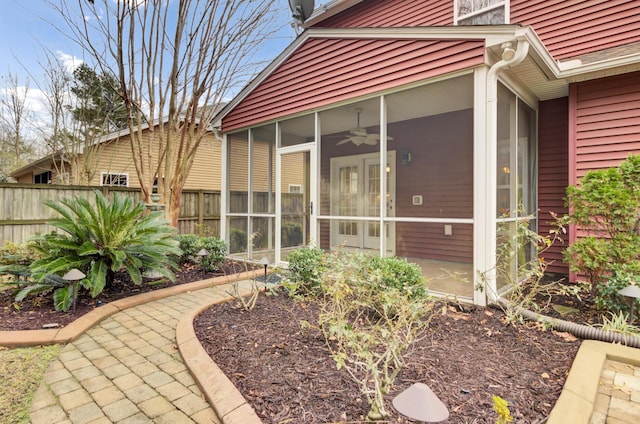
{"points": [[483, 260], [278, 234], [487, 234], [224, 187]]}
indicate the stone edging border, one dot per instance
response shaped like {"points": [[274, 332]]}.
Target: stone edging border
{"points": [[76, 328], [227, 401], [575, 404]]}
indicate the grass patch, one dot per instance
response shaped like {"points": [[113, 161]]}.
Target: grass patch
{"points": [[21, 372]]}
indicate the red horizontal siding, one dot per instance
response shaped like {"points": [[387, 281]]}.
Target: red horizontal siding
{"points": [[393, 13], [553, 173], [326, 71], [575, 27], [607, 122]]}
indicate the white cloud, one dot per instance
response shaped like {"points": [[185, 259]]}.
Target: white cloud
{"points": [[70, 62]]}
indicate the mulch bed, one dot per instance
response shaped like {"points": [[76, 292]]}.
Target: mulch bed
{"points": [[467, 355], [37, 312]]}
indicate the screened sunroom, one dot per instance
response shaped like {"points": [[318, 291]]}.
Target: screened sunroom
{"points": [[400, 173]]}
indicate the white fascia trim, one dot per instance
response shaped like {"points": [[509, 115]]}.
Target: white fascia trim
{"points": [[492, 35], [572, 68]]}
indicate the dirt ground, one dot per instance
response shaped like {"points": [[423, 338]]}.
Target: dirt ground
{"points": [[467, 355]]}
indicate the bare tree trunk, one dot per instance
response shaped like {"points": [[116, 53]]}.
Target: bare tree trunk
{"points": [[175, 61]]}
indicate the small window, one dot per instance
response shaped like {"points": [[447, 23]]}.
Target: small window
{"points": [[117, 180], [295, 188], [43, 178], [480, 12]]}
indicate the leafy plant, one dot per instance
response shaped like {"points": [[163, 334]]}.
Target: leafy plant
{"points": [[367, 325], [501, 407], [101, 239], [521, 267], [399, 274], [15, 260], [191, 244], [607, 297], [619, 323], [606, 206], [188, 244], [306, 266], [217, 249]]}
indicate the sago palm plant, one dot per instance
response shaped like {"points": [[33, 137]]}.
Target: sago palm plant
{"points": [[101, 238]]}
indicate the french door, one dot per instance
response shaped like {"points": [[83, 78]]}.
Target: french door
{"points": [[356, 192]]}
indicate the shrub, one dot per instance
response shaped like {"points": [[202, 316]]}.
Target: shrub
{"points": [[188, 244], [191, 244], [607, 297], [101, 239], [368, 326], [217, 249], [15, 260], [399, 274], [306, 266], [606, 205]]}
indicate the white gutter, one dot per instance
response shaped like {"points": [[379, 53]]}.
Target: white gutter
{"points": [[510, 58]]}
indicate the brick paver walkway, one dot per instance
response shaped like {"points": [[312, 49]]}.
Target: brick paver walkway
{"points": [[618, 398], [127, 369]]}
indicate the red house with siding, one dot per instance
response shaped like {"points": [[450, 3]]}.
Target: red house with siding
{"points": [[428, 129]]}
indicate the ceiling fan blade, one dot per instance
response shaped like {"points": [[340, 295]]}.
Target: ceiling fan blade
{"points": [[346, 140]]}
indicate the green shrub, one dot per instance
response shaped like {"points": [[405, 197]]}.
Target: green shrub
{"points": [[191, 244], [15, 260], [606, 205], [607, 297], [306, 266], [399, 274], [369, 325], [217, 249], [100, 239], [188, 244]]}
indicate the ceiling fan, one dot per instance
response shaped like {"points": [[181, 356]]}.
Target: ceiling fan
{"points": [[359, 135]]}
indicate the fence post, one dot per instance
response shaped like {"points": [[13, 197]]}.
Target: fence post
{"points": [[201, 213]]}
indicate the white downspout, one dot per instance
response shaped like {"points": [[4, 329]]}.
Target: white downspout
{"points": [[510, 58]]}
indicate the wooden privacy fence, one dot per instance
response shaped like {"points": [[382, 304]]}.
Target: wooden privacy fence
{"points": [[23, 213]]}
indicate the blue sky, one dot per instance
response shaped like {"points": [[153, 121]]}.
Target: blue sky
{"points": [[28, 30]]}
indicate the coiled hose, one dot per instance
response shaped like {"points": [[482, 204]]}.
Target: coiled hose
{"points": [[578, 330]]}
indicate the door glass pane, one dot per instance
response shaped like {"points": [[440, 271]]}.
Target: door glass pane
{"points": [[348, 200], [295, 202]]}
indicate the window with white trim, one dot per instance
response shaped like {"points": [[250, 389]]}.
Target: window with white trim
{"points": [[480, 12], [114, 179]]}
